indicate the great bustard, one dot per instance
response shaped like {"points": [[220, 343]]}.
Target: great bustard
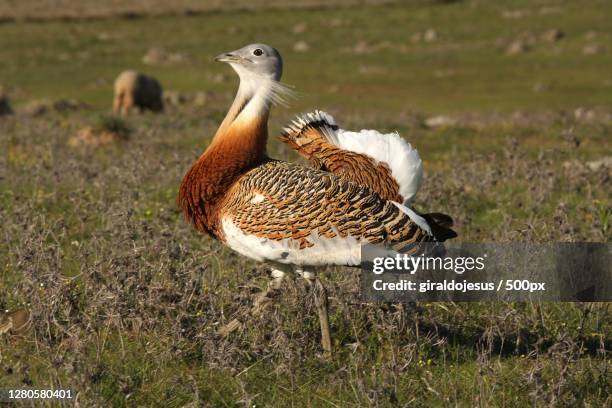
{"points": [[296, 217]]}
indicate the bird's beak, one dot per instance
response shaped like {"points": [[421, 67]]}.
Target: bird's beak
{"points": [[228, 57]]}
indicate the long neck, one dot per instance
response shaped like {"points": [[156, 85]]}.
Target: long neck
{"points": [[238, 146], [245, 127]]}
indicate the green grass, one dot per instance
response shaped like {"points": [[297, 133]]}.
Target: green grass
{"points": [[482, 76], [126, 297]]}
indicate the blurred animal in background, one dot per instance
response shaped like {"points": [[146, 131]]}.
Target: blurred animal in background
{"points": [[134, 90]]}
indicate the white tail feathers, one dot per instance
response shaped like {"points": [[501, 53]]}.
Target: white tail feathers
{"points": [[403, 160]]}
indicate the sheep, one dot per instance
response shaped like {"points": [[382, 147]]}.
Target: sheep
{"points": [[133, 89]]}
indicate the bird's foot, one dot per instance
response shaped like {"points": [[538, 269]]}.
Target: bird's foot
{"points": [[262, 301], [265, 298]]}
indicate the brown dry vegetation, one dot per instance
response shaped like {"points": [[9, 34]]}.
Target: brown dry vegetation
{"points": [[126, 298]]}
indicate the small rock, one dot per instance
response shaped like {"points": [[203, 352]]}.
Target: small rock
{"points": [[300, 28], [517, 47], [440, 121], [154, 56], [106, 36], [445, 73], [372, 70], [200, 98], [552, 35], [592, 49], [514, 14], [361, 48], [540, 87], [88, 136], [573, 166], [174, 98], [528, 38], [544, 11], [584, 114], [37, 108], [595, 165], [501, 42], [430, 35], [219, 78], [385, 45], [301, 46], [64, 105], [416, 38], [160, 56], [337, 22]]}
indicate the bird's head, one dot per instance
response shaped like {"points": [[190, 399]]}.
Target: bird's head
{"points": [[255, 60]]}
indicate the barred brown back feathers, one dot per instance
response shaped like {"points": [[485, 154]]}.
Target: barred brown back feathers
{"points": [[313, 136], [310, 141], [299, 203]]}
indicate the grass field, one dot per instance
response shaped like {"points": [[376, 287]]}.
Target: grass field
{"points": [[126, 298]]}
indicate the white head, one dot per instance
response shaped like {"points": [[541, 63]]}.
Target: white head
{"points": [[255, 59], [260, 68]]}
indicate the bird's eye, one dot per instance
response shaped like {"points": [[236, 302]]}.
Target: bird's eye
{"points": [[257, 52]]}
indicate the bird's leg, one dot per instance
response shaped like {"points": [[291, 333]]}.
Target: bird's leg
{"points": [[263, 300], [321, 302]]}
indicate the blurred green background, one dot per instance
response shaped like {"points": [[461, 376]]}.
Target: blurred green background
{"points": [[424, 56]]}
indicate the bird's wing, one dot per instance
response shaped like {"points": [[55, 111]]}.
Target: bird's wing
{"points": [[288, 213], [385, 163]]}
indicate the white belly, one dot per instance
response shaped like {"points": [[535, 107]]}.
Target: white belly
{"points": [[325, 251]]}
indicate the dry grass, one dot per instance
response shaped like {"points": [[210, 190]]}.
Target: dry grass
{"points": [[126, 298]]}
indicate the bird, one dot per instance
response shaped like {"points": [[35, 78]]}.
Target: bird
{"points": [[357, 188]]}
